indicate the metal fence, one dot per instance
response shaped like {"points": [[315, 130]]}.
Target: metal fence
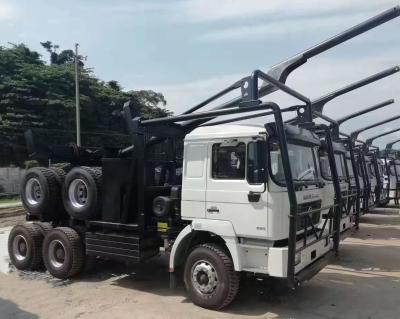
{"points": [[10, 178]]}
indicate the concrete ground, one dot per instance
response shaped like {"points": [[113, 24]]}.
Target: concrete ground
{"points": [[363, 283], [10, 204], [10, 214]]}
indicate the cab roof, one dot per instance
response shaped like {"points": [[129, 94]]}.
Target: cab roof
{"points": [[293, 133], [226, 130]]}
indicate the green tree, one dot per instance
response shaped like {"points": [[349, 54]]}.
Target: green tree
{"points": [[64, 57], [40, 96]]}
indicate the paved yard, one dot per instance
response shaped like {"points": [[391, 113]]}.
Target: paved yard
{"points": [[14, 203], [363, 283]]}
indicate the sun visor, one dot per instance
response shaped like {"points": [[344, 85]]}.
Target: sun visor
{"points": [[295, 134]]}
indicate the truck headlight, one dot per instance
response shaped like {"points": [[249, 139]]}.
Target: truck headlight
{"points": [[297, 259]]}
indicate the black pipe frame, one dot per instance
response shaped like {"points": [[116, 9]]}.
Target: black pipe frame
{"points": [[347, 141], [371, 139], [282, 70], [390, 145]]}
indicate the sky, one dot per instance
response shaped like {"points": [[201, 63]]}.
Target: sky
{"points": [[191, 49]]}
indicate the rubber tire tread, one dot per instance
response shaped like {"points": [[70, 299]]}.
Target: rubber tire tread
{"points": [[59, 173], [77, 252], [44, 227], [96, 174], [49, 206], [36, 237], [234, 278]]}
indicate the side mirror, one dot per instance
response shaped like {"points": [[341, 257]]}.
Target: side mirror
{"points": [[261, 146], [257, 162]]}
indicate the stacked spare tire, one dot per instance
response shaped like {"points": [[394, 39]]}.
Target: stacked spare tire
{"points": [[49, 194], [41, 193], [52, 196]]}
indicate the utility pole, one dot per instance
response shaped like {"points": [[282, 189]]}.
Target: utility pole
{"points": [[78, 112]]}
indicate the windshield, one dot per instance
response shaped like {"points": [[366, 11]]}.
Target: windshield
{"points": [[325, 167], [302, 163], [380, 169], [370, 169], [392, 169], [350, 167], [340, 165]]}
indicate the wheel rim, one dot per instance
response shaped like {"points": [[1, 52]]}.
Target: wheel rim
{"points": [[33, 191], [20, 247], [204, 277], [78, 193], [56, 253]]}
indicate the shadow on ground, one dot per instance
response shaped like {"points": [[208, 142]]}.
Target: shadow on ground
{"points": [[366, 273], [9, 310], [367, 269]]}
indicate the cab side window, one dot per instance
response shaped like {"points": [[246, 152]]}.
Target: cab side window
{"points": [[228, 162]]}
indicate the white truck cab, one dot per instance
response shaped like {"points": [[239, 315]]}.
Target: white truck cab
{"points": [[394, 171], [372, 181], [384, 179], [352, 205], [223, 193], [328, 190]]}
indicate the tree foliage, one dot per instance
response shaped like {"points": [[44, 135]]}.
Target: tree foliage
{"points": [[41, 96], [64, 57]]}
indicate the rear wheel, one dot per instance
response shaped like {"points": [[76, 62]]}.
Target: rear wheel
{"points": [[44, 227], [210, 278], [25, 246], [59, 173], [63, 252]]}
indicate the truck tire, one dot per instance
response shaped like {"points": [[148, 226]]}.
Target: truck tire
{"points": [[59, 173], [82, 192], [41, 193], [25, 246], [162, 206], [63, 252], [209, 276], [44, 227]]}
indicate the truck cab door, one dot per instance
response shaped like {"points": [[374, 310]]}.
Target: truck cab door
{"points": [[236, 189], [194, 178]]}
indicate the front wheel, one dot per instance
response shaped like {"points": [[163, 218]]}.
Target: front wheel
{"points": [[210, 278]]}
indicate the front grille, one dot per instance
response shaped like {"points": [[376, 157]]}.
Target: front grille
{"points": [[315, 217]]}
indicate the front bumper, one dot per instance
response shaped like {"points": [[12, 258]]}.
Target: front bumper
{"points": [[345, 223], [278, 256], [313, 269], [348, 232]]}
